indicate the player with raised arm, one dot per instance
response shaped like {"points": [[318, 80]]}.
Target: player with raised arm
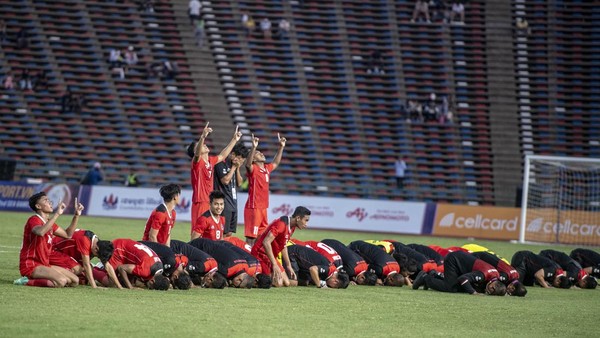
{"points": [[273, 241], [202, 169], [211, 224], [162, 219], [258, 172], [40, 229], [228, 178]]}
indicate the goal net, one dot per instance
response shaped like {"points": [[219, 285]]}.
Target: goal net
{"points": [[561, 200]]}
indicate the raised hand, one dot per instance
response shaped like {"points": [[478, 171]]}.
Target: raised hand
{"points": [[237, 135], [281, 140], [61, 208], [78, 207], [207, 130], [255, 141]]}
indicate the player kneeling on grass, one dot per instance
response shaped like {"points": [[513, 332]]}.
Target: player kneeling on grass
{"points": [[534, 268], [383, 265], [576, 274], [356, 267], [463, 273], [40, 229], [131, 257], [588, 259], [313, 268]]}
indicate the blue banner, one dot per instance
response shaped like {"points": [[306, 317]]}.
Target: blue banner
{"points": [[14, 196]]}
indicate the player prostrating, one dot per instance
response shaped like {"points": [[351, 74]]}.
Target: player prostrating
{"points": [[40, 229], [202, 169], [258, 172]]}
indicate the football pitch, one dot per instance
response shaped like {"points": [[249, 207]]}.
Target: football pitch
{"points": [[303, 311]]}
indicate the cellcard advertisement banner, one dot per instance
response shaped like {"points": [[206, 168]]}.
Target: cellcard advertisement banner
{"points": [[14, 196], [476, 221]]}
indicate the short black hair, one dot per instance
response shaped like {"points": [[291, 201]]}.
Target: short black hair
{"points": [[183, 282], [216, 194], [105, 251], [520, 290], [240, 150], [370, 278], [563, 282], [301, 212], [247, 282], [263, 281], [34, 199], [161, 282], [191, 149], [499, 288], [219, 281], [394, 280], [344, 280], [197, 279], [169, 191], [589, 282]]}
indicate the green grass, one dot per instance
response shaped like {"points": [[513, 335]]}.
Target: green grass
{"points": [[303, 311]]}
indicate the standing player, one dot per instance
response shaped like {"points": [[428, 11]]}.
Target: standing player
{"points": [[356, 267], [463, 273], [535, 268], [312, 267], [34, 259], [576, 274], [202, 170], [384, 266], [82, 247], [131, 257], [162, 219], [273, 241], [211, 224], [258, 172], [227, 179]]}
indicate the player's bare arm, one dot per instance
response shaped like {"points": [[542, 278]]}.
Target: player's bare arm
{"points": [[279, 153], [200, 144], [87, 268], [539, 277], [153, 235], [314, 275], [235, 165], [238, 173], [237, 135], [123, 270], [112, 275], [43, 229], [285, 258], [73, 226], [250, 157]]}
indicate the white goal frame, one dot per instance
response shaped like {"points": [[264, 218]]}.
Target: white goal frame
{"points": [[526, 183]]}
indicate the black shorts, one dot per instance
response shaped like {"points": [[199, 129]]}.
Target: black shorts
{"points": [[231, 220]]}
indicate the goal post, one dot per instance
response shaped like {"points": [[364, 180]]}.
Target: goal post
{"points": [[561, 200]]}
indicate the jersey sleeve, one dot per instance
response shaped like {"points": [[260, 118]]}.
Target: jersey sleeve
{"points": [[200, 225], [220, 170], [466, 281]]}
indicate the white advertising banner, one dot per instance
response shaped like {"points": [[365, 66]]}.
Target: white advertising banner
{"points": [[327, 212], [349, 214]]}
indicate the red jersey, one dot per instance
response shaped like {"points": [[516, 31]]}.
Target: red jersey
{"points": [[36, 248], [280, 230], [488, 270], [240, 243], [78, 245], [160, 220], [323, 249], [208, 227], [202, 179], [258, 186], [128, 251]]}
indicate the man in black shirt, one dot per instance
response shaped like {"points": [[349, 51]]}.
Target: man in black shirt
{"points": [[589, 260], [231, 265], [575, 272], [227, 179], [535, 268], [356, 267], [385, 267], [312, 267]]}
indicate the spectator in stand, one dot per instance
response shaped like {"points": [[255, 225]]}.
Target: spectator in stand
{"points": [[458, 9], [94, 176], [248, 24], [375, 63], [146, 6], [170, 69], [8, 82], [446, 115], [414, 111], [117, 64], [400, 167], [41, 80], [200, 33], [25, 80], [194, 8], [22, 38], [431, 110], [523, 26], [265, 27], [421, 9], [283, 29], [131, 57], [2, 32], [439, 10]]}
